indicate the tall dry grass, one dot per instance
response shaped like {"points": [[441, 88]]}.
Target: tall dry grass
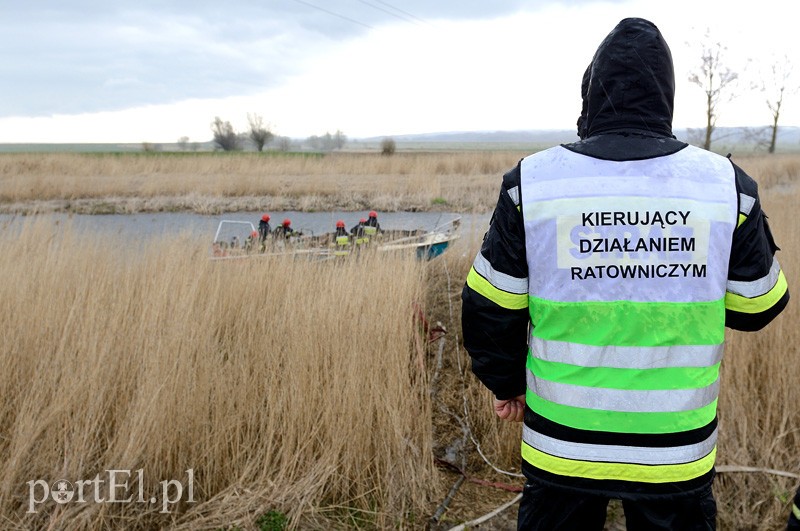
{"points": [[210, 183], [285, 385], [289, 386]]}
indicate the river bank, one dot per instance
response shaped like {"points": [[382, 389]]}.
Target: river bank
{"points": [[214, 205], [216, 183]]}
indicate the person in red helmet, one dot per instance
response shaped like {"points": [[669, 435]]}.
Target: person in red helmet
{"points": [[372, 227], [285, 230], [357, 232], [250, 242], [263, 228], [342, 239], [358, 229]]}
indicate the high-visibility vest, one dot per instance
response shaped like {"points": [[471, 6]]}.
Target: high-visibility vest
{"points": [[628, 266]]}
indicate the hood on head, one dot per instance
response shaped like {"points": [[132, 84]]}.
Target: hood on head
{"points": [[584, 101], [631, 82]]}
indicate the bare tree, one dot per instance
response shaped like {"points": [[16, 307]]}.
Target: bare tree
{"points": [[224, 136], [284, 143], [259, 134], [775, 90], [314, 142], [183, 143], [339, 139], [714, 77]]}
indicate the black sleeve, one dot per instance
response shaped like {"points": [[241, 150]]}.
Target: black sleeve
{"points": [[494, 314], [757, 288]]}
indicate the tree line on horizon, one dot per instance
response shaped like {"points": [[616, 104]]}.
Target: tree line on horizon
{"points": [[260, 135]]}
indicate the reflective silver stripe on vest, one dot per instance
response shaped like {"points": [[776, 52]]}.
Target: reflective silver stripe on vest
{"points": [[513, 193], [746, 204], [626, 357], [758, 287], [634, 401], [642, 455], [500, 280]]}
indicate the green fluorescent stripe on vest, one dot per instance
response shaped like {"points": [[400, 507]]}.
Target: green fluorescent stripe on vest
{"points": [[618, 471], [622, 422], [627, 379], [507, 300], [628, 323], [742, 219], [796, 511], [737, 303]]}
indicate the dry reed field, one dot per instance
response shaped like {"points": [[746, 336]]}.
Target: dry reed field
{"points": [[211, 183], [272, 392], [287, 387]]}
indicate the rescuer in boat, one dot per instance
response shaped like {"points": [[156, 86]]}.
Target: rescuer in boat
{"points": [[285, 230], [357, 232], [263, 228], [264, 231], [617, 376], [358, 229], [342, 239], [372, 227], [250, 242]]}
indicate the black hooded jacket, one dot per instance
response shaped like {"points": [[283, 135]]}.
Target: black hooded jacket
{"points": [[628, 94]]}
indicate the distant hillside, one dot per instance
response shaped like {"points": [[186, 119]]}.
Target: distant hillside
{"points": [[731, 139], [505, 137], [724, 138]]}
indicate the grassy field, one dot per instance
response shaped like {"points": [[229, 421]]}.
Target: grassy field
{"points": [[296, 392], [211, 183]]}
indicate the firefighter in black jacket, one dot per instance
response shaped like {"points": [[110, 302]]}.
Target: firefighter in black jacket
{"points": [[264, 228], [596, 308]]}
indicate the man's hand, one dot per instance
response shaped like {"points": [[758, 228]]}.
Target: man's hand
{"points": [[512, 410]]}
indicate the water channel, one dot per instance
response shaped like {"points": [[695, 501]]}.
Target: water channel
{"points": [[141, 227]]}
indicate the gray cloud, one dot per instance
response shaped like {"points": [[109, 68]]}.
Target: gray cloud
{"points": [[86, 56]]}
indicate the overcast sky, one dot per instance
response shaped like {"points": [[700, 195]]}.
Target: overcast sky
{"points": [[125, 71]]}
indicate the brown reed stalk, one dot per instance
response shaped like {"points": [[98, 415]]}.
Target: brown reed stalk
{"points": [[285, 385]]}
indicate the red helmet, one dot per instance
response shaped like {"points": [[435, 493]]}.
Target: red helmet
{"points": [[373, 214], [254, 234], [287, 222], [340, 224], [362, 220], [265, 217]]}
